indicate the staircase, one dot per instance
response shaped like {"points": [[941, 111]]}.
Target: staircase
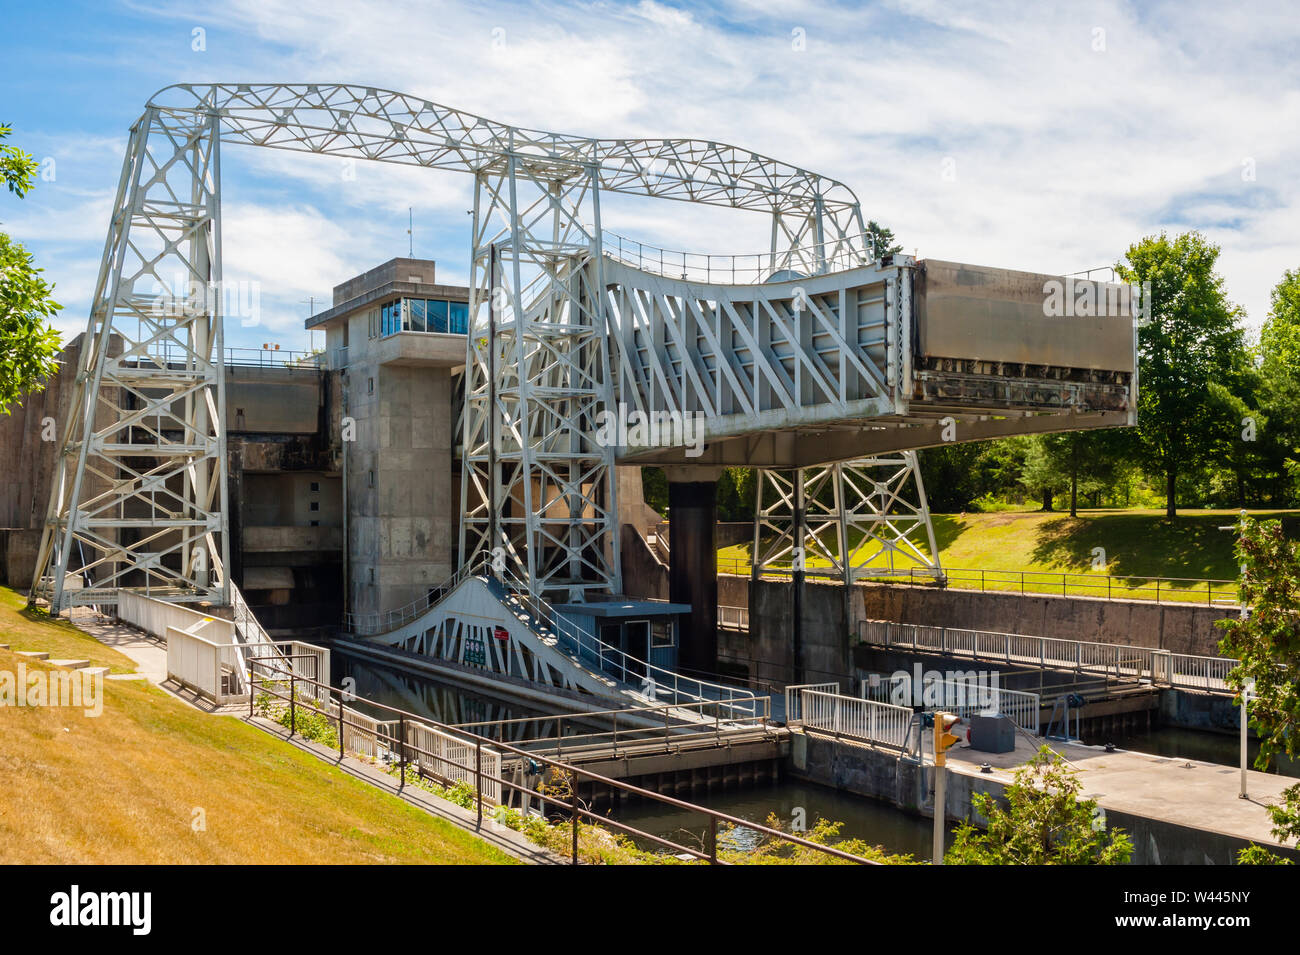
{"points": [[489, 619]]}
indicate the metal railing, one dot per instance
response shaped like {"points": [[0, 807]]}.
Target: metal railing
{"points": [[964, 698], [455, 763], [384, 621], [733, 618], [741, 269], [1115, 661], [827, 710], [1208, 591], [535, 613], [663, 727], [273, 357]]}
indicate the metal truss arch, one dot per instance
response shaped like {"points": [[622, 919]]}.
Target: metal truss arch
{"points": [[853, 520]]}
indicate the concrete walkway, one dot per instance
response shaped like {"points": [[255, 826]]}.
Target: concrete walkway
{"points": [[1180, 791], [149, 653]]}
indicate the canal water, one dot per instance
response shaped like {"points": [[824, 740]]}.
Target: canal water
{"points": [[873, 821]]}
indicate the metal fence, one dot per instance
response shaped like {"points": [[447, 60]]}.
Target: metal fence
{"points": [[733, 618], [665, 727], [822, 707], [1207, 591], [1114, 661], [964, 698], [470, 758]]}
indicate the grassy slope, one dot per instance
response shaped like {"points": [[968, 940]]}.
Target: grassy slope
{"points": [[25, 629], [1137, 542], [123, 787]]}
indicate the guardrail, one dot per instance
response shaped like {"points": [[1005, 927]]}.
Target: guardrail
{"points": [[1115, 661], [1162, 590], [733, 618], [384, 621], [664, 725], [964, 698], [455, 763], [213, 668], [744, 268], [827, 710], [155, 616]]}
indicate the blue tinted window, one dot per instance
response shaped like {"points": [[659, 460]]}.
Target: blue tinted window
{"points": [[458, 322], [437, 316], [415, 315]]}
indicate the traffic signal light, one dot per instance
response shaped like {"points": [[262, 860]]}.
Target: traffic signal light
{"points": [[942, 738]]}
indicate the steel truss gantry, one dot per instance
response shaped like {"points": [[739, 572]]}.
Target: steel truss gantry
{"points": [[140, 498], [139, 493], [856, 519]]}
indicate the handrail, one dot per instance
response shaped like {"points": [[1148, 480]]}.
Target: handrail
{"points": [[752, 268], [657, 682], [1115, 660], [577, 810], [383, 621], [1213, 592]]}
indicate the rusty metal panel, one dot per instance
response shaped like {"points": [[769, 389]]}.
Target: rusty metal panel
{"points": [[997, 315]]}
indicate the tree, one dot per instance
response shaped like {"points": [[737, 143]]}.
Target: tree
{"points": [[1279, 388], [881, 240], [1267, 644], [28, 343], [1189, 340], [1083, 461], [1043, 823]]}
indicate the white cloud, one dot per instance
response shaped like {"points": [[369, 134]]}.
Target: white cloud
{"points": [[1065, 153]]}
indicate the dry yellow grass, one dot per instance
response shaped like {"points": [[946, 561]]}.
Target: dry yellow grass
{"points": [[127, 787], [24, 629]]}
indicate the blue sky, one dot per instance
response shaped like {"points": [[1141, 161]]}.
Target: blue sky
{"points": [[1073, 130]]}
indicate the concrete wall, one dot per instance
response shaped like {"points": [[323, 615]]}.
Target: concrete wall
{"points": [[272, 400], [1180, 628], [903, 783], [402, 516], [828, 629]]}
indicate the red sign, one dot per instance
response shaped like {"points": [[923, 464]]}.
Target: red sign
{"points": [[500, 633]]}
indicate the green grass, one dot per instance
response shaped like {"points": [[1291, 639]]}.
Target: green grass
{"points": [[24, 629], [127, 786], [1137, 543]]}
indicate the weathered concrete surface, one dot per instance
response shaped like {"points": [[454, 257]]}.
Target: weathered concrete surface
{"points": [[29, 440], [829, 628], [644, 575], [1174, 815], [693, 570], [1179, 628]]}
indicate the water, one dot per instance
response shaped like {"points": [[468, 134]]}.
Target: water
{"points": [[873, 821], [441, 702]]}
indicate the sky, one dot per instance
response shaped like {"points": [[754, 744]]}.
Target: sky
{"points": [[1037, 136]]}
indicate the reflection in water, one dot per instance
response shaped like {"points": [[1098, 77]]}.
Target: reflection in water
{"points": [[875, 822], [441, 702]]}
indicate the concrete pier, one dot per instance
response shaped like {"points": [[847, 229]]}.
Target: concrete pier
{"points": [[693, 567], [1175, 811]]}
